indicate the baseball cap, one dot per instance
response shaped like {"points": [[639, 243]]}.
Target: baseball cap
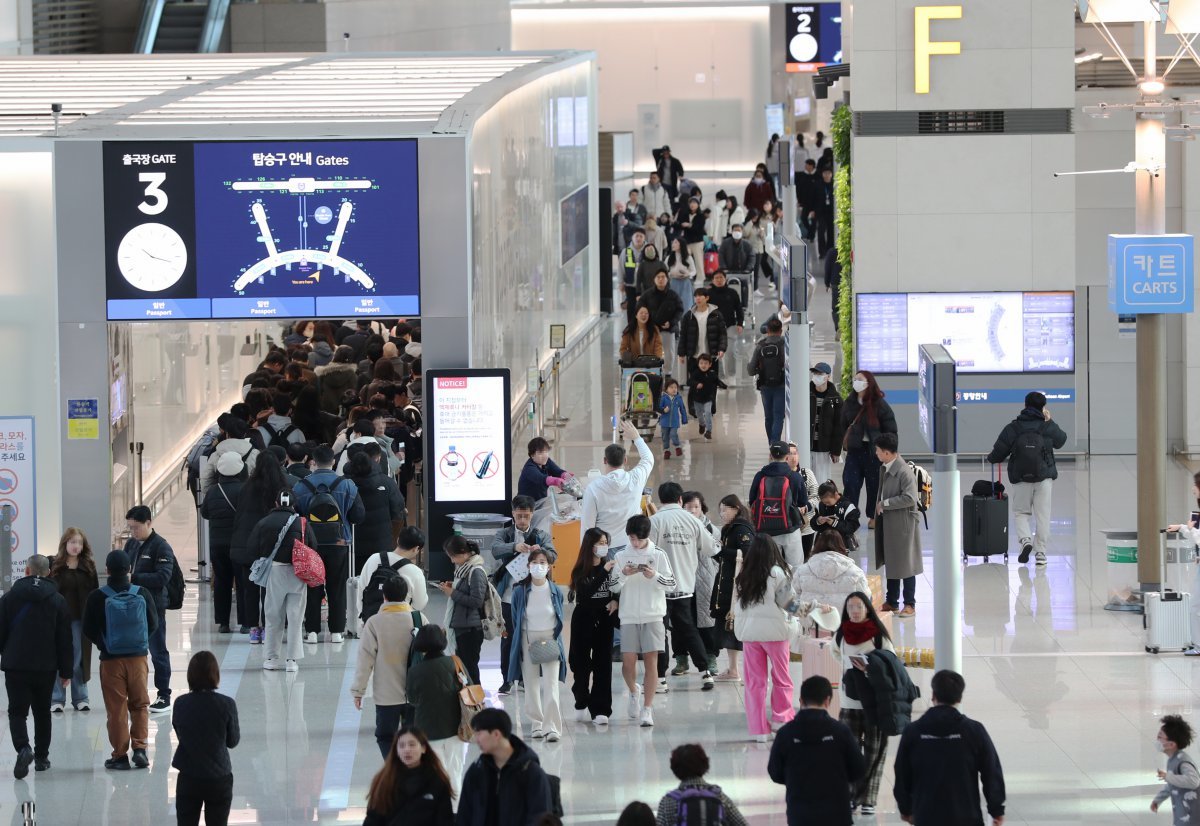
{"points": [[822, 367], [779, 450]]}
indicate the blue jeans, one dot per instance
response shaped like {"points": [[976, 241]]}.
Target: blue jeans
{"points": [[704, 415], [670, 436], [773, 399], [79, 688], [910, 591], [160, 657]]}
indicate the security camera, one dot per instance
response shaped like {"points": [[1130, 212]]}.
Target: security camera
{"points": [[56, 108]]}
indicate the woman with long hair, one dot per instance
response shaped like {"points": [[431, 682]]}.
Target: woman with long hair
{"points": [[1190, 531], [412, 786], [206, 726], [829, 575], [737, 532], [641, 338], [592, 626], [681, 268], [465, 596], [432, 689], [73, 570], [257, 499], [865, 415], [537, 611], [691, 223], [760, 600], [861, 631]]}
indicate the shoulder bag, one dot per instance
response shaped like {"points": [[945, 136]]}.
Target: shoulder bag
{"points": [[544, 651], [306, 563], [470, 701], [260, 569]]}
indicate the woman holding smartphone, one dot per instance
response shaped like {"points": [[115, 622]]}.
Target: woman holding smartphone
{"points": [[539, 664], [1190, 532], [592, 627], [861, 632]]}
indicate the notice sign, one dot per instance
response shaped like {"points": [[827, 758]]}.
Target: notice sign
{"points": [[83, 418], [470, 438], [18, 512]]}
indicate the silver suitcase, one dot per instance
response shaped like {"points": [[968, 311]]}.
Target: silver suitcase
{"points": [[1167, 615], [353, 608]]}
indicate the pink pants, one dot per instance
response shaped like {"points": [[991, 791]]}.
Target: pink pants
{"points": [[755, 656]]}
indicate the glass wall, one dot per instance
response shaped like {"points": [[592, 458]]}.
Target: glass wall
{"points": [[531, 156]]}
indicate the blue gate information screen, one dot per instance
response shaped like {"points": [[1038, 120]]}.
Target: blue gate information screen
{"points": [[291, 229]]}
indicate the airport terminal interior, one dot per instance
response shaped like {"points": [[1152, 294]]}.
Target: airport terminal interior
{"points": [[995, 194]]}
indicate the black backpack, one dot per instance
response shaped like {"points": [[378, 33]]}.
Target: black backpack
{"points": [[278, 437], [324, 513], [771, 367], [774, 512], [1028, 460], [372, 595]]}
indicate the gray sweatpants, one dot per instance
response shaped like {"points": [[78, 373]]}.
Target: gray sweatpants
{"points": [[286, 599], [1031, 501]]}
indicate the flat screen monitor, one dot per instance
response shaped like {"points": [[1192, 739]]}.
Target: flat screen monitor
{"points": [[985, 332], [573, 214], [261, 229]]}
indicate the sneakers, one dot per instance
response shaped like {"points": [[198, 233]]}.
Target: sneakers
{"points": [[1026, 550], [273, 664], [647, 717], [335, 638], [708, 681], [552, 737], [243, 629], [311, 638], [702, 431], [663, 688], [870, 524], [906, 612], [24, 758], [56, 708], [83, 706], [505, 689], [292, 667], [160, 705], [681, 667], [538, 734], [41, 764], [666, 455], [867, 811], [1040, 559], [256, 636], [582, 715], [678, 451], [635, 704], [600, 720], [118, 763], [224, 629], [708, 435], [761, 738], [140, 760], [1194, 651]]}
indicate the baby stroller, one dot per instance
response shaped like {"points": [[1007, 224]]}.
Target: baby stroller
{"points": [[641, 386]]}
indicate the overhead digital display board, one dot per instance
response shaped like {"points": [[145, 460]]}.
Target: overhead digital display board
{"points": [[292, 229], [987, 332], [814, 35]]}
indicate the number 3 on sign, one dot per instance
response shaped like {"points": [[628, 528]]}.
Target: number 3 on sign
{"points": [[156, 199]]}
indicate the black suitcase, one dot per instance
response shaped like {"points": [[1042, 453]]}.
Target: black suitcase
{"points": [[984, 526]]}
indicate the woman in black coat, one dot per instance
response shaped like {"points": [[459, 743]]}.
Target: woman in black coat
{"points": [[412, 788], [206, 725], [220, 509], [865, 415], [256, 500], [382, 503], [737, 533]]}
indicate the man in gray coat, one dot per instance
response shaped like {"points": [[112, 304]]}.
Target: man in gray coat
{"points": [[897, 527]]}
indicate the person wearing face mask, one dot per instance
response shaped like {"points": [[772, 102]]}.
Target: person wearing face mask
{"points": [[760, 190], [865, 415], [592, 626], [537, 610], [825, 421], [735, 253], [1181, 776], [650, 266]]}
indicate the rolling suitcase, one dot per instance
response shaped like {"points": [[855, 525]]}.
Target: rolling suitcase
{"points": [[820, 660], [353, 607], [985, 520], [1167, 616]]}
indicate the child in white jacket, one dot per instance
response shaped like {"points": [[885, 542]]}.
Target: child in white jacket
{"points": [[643, 578]]}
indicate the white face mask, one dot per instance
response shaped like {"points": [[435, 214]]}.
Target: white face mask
{"points": [[819, 379], [859, 385], [539, 570], [600, 550], [737, 233]]}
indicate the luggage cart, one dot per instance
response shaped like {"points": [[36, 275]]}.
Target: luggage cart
{"points": [[640, 390], [741, 282]]}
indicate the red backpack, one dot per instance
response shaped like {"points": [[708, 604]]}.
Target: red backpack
{"points": [[774, 512]]}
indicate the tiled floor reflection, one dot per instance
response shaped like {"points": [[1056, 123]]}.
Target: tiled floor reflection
{"points": [[1063, 685]]}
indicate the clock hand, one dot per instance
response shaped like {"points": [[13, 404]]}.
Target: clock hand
{"points": [[155, 257]]}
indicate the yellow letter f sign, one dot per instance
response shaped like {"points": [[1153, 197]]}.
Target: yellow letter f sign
{"points": [[926, 48]]}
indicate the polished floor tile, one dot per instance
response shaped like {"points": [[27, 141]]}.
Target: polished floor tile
{"points": [[1064, 686]]}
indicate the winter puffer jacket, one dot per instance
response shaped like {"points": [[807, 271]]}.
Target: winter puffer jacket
{"points": [[764, 621], [829, 577]]}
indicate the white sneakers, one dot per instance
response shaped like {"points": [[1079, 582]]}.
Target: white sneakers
{"points": [[663, 687], [292, 666], [647, 717], [1039, 559], [635, 704], [273, 664], [582, 715], [600, 720], [311, 637], [335, 638], [552, 737]]}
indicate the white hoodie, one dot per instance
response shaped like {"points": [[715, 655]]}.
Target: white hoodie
{"points": [[642, 599], [609, 501], [684, 539], [765, 621]]}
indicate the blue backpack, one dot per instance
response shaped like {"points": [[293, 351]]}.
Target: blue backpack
{"points": [[126, 629]]}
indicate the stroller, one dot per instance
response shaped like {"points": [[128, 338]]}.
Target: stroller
{"points": [[641, 386]]}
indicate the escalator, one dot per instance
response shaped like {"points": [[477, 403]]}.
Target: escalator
{"points": [[181, 26]]}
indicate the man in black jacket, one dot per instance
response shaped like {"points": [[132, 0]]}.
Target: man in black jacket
{"points": [[1028, 443], [35, 642], [817, 759], [152, 561], [122, 676], [790, 543], [941, 761], [506, 786], [825, 421]]}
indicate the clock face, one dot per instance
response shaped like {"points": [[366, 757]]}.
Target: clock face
{"points": [[152, 257]]}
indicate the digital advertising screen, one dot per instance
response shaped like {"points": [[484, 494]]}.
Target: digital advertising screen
{"points": [[470, 436], [260, 229], [814, 35], [573, 214], [1000, 332]]}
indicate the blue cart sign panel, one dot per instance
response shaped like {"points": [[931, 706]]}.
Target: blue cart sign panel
{"points": [[1151, 274]]}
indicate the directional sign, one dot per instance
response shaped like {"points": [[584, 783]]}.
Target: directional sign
{"points": [[1151, 274]]}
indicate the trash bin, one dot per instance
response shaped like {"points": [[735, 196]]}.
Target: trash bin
{"points": [[1124, 593], [481, 527]]}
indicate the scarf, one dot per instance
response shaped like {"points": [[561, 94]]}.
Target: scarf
{"points": [[856, 633], [460, 571]]}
